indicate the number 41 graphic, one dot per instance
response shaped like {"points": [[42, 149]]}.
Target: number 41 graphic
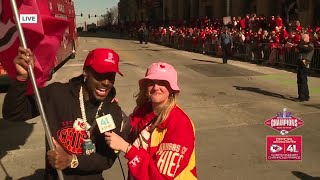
{"points": [[292, 148], [104, 121]]}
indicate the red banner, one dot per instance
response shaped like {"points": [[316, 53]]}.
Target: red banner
{"points": [[42, 37]]}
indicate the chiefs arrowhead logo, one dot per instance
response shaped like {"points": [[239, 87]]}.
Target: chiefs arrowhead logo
{"points": [[274, 148]]}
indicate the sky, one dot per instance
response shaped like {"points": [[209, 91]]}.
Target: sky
{"points": [[92, 7]]}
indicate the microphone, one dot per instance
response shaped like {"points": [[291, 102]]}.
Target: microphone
{"points": [[106, 123]]}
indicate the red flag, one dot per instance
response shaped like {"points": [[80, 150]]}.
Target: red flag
{"points": [[43, 37]]}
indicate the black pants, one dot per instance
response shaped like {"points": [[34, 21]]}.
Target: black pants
{"points": [[226, 52], [146, 39], [140, 37], [302, 81]]}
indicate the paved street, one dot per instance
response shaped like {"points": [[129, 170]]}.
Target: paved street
{"points": [[228, 104]]}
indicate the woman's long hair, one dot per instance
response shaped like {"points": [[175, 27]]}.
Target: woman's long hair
{"points": [[142, 98]]}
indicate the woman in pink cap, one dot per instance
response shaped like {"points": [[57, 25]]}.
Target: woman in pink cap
{"points": [[162, 139]]}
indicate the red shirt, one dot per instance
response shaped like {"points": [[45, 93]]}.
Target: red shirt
{"points": [[242, 24], [279, 22], [274, 42], [202, 35], [296, 38], [298, 28]]}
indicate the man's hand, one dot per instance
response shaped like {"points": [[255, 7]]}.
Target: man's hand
{"points": [[59, 158], [304, 62], [22, 61]]}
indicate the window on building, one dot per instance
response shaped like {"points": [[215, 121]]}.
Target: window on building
{"points": [[208, 11]]}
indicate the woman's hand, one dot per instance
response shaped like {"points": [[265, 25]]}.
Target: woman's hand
{"points": [[116, 142], [22, 61]]}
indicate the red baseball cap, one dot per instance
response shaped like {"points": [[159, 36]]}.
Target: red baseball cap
{"points": [[103, 60]]}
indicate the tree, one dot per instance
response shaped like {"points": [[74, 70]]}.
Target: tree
{"points": [[112, 16]]}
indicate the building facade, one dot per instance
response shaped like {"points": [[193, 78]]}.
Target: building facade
{"points": [[183, 10]]}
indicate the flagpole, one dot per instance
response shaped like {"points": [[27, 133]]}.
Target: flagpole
{"points": [[34, 84]]}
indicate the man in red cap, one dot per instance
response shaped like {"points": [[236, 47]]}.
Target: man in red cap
{"points": [[72, 109]]}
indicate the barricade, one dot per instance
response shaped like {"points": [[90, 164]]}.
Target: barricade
{"points": [[251, 52], [315, 63]]}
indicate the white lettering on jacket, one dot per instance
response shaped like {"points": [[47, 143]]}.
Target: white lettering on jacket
{"points": [[135, 161], [170, 158]]}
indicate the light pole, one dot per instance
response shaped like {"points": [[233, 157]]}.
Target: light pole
{"points": [[228, 7]]}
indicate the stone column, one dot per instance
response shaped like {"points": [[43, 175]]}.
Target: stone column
{"points": [[219, 8], [165, 4], [263, 7], [268, 7], [306, 12], [237, 8], [180, 9], [195, 8]]}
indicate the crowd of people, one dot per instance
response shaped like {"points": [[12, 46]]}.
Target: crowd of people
{"points": [[254, 37]]}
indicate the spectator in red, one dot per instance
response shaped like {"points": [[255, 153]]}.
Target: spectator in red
{"points": [[195, 41], [163, 34], [285, 33], [274, 39], [296, 37], [298, 26], [279, 22], [202, 38], [242, 23]]}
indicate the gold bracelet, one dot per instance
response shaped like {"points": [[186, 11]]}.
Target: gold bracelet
{"points": [[21, 79], [128, 148]]}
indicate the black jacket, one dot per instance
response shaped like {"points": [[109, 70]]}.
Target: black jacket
{"points": [[306, 50], [62, 108]]}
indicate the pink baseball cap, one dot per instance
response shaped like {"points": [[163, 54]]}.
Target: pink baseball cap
{"points": [[162, 71], [103, 60]]}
